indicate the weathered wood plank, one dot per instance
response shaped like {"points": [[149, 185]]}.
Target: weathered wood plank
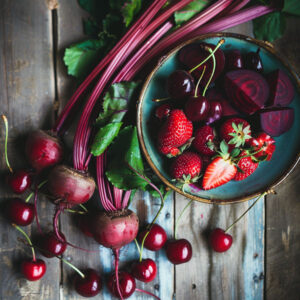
{"points": [[26, 97], [211, 275]]}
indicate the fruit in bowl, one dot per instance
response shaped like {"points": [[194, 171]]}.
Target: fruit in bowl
{"points": [[231, 130]]}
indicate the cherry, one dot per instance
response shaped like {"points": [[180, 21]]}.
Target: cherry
{"points": [[233, 60], [20, 212], [215, 112], [179, 251], [51, 246], [19, 181], [127, 285], [197, 108], [84, 224], [180, 84], [253, 61], [144, 270], [220, 240], [90, 285], [33, 269], [156, 238], [163, 111]]}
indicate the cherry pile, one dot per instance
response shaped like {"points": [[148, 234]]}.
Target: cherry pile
{"points": [[222, 114]]}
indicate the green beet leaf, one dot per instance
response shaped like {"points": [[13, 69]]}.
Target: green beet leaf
{"points": [[104, 137], [116, 102], [123, 151], [190, 10], [269, 27], [96, 8], [91, 27], [292, 7]]}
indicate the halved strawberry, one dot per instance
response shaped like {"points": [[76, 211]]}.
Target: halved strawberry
{"points": [[265, 143], [236, 132], [246, 166], [220, 170], [204, 141]]}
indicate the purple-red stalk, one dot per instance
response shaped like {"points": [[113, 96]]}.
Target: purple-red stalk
{"points": [[35, 209], [148, 293]]}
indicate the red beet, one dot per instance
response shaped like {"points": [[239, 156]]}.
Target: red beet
{"points": [[126, 282], [43, 150], [247, 89], [70, 186], [115, 229], [281, 88], [276, 121], [193, 54]]}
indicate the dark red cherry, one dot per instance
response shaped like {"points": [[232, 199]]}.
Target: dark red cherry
{"points": [[163, 111], [156, 238], [197, 108], [180, 84], [179, 251], [215, 112], [20, 212], [144, 270], [19, 181], [33, 270], [126, 282], [84, 224], [51, 246], [90, 285], [220, 240], [233, 60], [253, 61]]}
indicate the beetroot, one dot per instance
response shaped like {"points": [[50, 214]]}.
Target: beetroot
{"points": [[247, 89], [193, 54], [43, 150], [70, 186], [281, 88], [276, 121], [115, 229]]}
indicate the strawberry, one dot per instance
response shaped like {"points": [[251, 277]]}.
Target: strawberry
{"points": [[235, 132], [220, 170], [204, 140], [186, 167], [246, 166], [175, 133], [265, 143]]}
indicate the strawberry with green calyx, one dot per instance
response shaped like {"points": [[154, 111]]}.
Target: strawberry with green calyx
{"points": [[204, 141], [264, 146], [186, 169], [222, 168], [246, 166], [175, 134], [235, 132]]}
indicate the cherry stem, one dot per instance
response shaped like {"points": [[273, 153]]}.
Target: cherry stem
{"points": [[73, 211], [137, 246], [28, 240], [240, 217], [222, 41], [179, 217], [148, 293], [39, 186], [212, 72], [83, 207], [72, 266], [162, 203], [197, 85], [5, 143], [160, 99]]}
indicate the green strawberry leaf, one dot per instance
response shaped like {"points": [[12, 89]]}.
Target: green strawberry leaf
{"points": [[190, 10], [125, 151], [116, 102], [269, 27], [223, 147], [235, 152], [104, 137]]}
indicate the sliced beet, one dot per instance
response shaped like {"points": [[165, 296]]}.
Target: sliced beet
{"points": [[276, 121], [193, 54], [247, 89], [281, 88], [227, 109]]}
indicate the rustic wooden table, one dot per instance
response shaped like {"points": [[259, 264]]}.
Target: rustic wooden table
{"points": [[264, 261]]}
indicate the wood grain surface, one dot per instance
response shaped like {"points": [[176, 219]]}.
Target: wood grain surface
{"points": [[264, 261]]}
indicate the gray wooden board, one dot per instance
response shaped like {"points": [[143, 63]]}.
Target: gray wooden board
{"points": [[26, 96]]}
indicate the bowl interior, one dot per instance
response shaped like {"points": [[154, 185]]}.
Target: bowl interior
{"points": [[267, 174]]}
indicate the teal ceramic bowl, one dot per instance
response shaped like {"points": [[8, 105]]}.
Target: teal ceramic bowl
{"points": [[269, 174]]}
